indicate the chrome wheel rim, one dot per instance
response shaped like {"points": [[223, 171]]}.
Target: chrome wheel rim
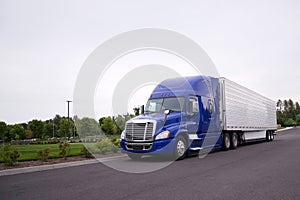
{"points": [[227, 142], [180, 148], [234, 140]]}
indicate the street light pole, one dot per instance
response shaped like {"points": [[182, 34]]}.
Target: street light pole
{"points": [[68, 101]]}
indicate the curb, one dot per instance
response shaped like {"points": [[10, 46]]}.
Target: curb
{"points": [[287, 128], [55, 166]]}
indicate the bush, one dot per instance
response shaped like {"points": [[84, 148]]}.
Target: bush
{"points": [[105, 145], [43, 155], [65, 149], [116, 142], [290, 122], [86, 152], [8, 156]]}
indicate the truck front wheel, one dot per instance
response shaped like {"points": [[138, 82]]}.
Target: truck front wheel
{"points": [[180, 148]]}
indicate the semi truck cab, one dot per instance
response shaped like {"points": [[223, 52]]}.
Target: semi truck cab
{"points": [[179, 114]]}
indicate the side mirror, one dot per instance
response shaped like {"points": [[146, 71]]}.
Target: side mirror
{"points": [[142, 109], [166, 114], [193, 107]]}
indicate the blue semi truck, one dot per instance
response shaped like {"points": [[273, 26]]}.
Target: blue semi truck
{"points": [[188, 114]]}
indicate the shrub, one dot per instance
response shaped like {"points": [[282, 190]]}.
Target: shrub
{"points": [[105, 145], [116, 142], [43, 155], [65, 149], [9, 156], [86, 152]]}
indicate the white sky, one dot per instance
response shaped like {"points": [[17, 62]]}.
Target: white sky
{"points": [[44, 43]]}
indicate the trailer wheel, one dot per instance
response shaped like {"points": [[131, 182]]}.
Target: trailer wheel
{"points": [[226, 141], [268, 136], [271, 136], [134, 156], [234, 140], [180, 148]]}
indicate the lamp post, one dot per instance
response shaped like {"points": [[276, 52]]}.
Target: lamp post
{"points": [[68, 101]]}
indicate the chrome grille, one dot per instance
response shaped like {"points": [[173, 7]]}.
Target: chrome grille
{"points": [[139, 131]]}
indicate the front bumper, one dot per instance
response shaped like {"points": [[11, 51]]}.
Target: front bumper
{"points": [[158, 147]]}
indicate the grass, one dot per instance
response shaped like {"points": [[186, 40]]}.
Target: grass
{"points": [[29, 152]]}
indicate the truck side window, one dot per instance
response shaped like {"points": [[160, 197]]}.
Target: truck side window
{"points": [[193, 106]]}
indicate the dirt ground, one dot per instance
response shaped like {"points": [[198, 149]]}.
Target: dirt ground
{"points": [[55, 161]]}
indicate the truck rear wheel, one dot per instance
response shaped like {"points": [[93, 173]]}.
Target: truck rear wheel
{"points": [[268, 136], [234, 140], [180, 148], [271, 136], [226, 141]]}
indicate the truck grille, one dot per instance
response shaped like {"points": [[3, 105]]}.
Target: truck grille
{"points": [[139, 131]]}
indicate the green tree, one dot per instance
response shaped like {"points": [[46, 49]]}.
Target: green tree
{"points": [[56, 120], [101, 121], [280, 118], [120, 122], [3, 131], [285, 106], [291, 109], [136, 111], [48, 129], [24, 125], [298, 119], [108, 126], [17, 132], [279, 105], [290, 122], [287, 112], [87, 127], [297, 108], [63, 130], [36, 127]]}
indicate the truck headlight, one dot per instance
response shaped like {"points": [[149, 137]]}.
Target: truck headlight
{"points": [[123, 135], [163, 135]]}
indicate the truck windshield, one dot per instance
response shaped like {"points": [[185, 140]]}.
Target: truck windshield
{"points": [[175, 104]]}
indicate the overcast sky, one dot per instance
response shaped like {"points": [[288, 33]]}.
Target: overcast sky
{"points": [[43, 45]]}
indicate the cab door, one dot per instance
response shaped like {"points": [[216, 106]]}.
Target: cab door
{"points": [[210, 122], [193, 115]]}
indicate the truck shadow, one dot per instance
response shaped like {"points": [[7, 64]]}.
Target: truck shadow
{"points": [[202, 154]]}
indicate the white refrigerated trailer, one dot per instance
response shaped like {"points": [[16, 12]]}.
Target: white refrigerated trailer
{"points": [[245, 113]]}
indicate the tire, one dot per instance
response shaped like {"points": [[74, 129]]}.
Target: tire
{"points": [[226, 141], [268, 136], [180, 148], [271, 136], [234, 141], [134, 156]]}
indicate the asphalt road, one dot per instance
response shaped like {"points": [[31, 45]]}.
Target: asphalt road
{"points": [[256, 171]]}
